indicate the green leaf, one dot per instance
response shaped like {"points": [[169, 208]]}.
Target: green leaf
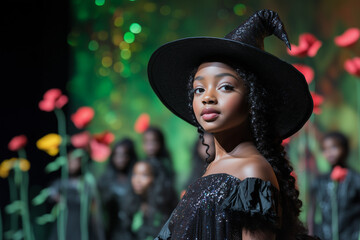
{"points": [[14, 207], [41, 197], [56, 164], [18, 235], [78, 153], [48, 217]]}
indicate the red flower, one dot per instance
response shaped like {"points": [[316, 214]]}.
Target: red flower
{"points": [[18, 142], [308, 46], [81, 140], [286, 141], [99, 151], [352, 66], [105, 137], [53, 98], [338, 174], [82, 117], [318, 100], [348, 38], [142, 123], [307, 71]]}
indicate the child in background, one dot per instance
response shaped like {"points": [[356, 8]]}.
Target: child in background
{"points": [[339, 188], [154, 146], [149, 202], [114, 184], [74, 196]]}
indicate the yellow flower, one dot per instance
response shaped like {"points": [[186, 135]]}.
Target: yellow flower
{"points": [[49, 143], [6, 166], [24, 164]]}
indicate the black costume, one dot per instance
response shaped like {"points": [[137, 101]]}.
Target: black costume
{"points": [[218, 206], [348, 203]]}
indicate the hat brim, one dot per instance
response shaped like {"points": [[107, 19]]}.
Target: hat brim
{"points": [[170, 66]]}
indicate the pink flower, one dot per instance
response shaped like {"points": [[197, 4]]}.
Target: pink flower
{"points": [[99, 151], [53, 98], [104, 137], [82, 117], [338, 174], [142, 123], [348, 38], [81, 140], [18, 142], [318, 100], [307, 71], [308, 46], [352, 66]]}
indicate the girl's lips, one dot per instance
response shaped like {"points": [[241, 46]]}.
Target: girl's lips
{"points": [[210, 116]]}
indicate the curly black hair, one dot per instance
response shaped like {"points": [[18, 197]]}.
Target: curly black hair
{"points": [[262, 104]]}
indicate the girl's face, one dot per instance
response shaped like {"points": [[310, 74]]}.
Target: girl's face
{"points": [[121, 157], [151, 144], [142, 178], [332, 151], [219, 97]]}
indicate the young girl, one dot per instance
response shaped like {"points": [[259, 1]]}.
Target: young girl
{"points": [[249, 100], [149, 202], [114, 185], [154, 146], [335, 148]]}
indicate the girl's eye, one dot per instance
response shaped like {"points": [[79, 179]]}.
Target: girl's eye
{"points": [[227, 87], [198, 90]]}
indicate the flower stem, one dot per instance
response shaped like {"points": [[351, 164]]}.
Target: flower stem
{"points": [[24, 199], [334, 213], [84, 200], [64, 174], [13, 197]]}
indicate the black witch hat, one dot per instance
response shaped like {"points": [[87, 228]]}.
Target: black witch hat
{"points": [[170, 66]]}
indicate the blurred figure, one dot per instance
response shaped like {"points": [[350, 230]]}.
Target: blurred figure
{"points": [[114, 185], [334, 211], [202, 155], [75, 198], [154, 146], [149, 202]]}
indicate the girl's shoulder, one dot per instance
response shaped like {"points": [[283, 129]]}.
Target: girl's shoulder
{"points": [[251, 167]]}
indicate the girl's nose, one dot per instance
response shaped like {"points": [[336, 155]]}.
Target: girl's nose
{"points": [[209, 99]]}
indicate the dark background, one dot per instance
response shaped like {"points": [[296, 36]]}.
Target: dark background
{"points": [[34, 58]]}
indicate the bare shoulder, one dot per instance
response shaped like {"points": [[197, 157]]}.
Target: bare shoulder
{"points": [[256, 167]]}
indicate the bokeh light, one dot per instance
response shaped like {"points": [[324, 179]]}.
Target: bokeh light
{"points": [[119, 21], [135, 28], [106, 61], [165, 10], [150, 7], [125, 54], [240, 9], [93, 45], [129, 37], [99, 2]]}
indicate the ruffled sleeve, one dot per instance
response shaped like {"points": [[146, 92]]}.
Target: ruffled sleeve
{"points": [[254, 203]]}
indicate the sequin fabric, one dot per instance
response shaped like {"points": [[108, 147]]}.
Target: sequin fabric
{"points": [[206, 210]]}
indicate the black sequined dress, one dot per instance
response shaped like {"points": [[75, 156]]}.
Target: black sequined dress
{"points": [[219, 206]]}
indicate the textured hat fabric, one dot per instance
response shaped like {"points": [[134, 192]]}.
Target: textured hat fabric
{"points": [[170, 67]]}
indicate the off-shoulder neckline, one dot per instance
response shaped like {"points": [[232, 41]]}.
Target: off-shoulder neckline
{"points": [[238, 179]]}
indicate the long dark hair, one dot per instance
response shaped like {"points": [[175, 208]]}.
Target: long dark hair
{"points": [[161, 199], [129, 145], [344, 143], [163, 151], [262, 105]]}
